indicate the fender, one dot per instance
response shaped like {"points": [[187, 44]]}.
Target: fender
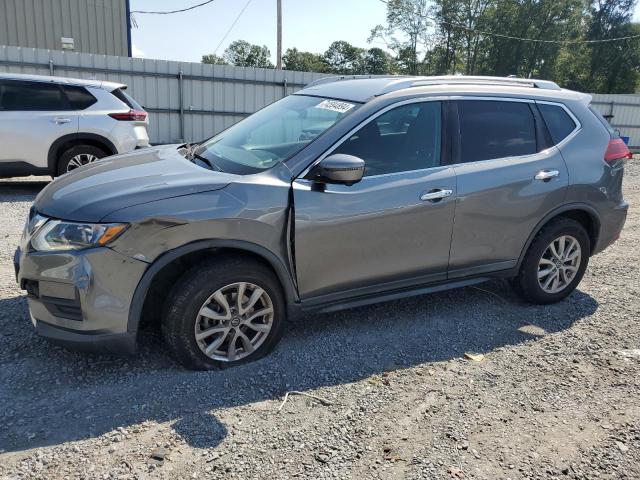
{"points": [[52, 159], [588, 209], [140, 294]]}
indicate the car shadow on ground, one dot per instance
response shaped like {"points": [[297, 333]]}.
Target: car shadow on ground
{"points": [[51, 396], [20, 191]]}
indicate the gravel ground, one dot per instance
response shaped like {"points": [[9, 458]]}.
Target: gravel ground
{"points": [[554, 396]]}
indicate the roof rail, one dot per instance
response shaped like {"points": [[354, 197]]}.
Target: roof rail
{"points": [[468, 80], [337, 78]]}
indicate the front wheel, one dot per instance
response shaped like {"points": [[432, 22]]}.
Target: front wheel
{"points": [[555, 262], [224, 312]]}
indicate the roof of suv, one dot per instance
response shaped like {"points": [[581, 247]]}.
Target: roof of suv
{"points": [[362, 88], [62, 80]]}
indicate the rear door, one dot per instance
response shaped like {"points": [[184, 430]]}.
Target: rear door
{"points": [[508, 180], [392, 229], [32, 116]]}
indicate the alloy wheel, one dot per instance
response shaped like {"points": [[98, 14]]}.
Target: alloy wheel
{"points": [[559, 264], [234, 321], [79, 160]]}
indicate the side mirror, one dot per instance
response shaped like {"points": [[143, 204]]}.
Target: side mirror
{"points": [[339, 168]]}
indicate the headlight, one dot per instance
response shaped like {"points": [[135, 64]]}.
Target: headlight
{"points": [[60, 235]]}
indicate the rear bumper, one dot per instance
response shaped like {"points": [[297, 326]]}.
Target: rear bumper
{"points": [[611, 226]]}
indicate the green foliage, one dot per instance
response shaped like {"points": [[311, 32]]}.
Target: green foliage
{"points": [[214, 59], [294, 59], [243, 54], [438, 37]]}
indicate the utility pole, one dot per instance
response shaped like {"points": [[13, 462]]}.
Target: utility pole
{"points": [[279, 46]]}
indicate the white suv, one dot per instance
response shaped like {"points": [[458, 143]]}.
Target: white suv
{"points": [[51, 125]]}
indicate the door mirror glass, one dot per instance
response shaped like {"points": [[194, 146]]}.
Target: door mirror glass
{"points": [[339, 168]]}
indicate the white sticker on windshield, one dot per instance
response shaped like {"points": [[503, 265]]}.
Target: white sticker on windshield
{"points": [[335, 105]]}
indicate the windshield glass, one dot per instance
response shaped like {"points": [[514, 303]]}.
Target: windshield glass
{"points": [[272, 134]]}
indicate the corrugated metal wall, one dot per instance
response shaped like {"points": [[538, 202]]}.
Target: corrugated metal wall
{"points": [[96, 26], [213, 97], [625, 114], [192, 101]]}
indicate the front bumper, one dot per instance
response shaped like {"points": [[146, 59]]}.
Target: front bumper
{"points": [[81, 299]]}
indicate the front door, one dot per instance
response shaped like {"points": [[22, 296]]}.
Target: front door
{"points": [[392, 229]]}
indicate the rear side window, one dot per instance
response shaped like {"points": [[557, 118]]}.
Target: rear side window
{"points": [[121, 95], [79, 97], [31, 96], [558, 121], [495, 129]]}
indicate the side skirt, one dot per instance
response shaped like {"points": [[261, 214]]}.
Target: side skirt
{"points": [[317, 306]]}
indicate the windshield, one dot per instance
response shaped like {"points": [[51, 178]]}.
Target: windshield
{"points": [[272, 134]]}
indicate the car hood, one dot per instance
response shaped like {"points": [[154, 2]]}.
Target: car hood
{"points": [[147, 175]]}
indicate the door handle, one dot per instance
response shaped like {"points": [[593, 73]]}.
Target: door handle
{"points": [[435, 195], [546, 175], [61, 121]]}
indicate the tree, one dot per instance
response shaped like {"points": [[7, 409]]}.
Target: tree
{"points": [[406, 32], [243, 54], [613, 66], [214, 59], [343, 58], [377, 62], [294, 59]]}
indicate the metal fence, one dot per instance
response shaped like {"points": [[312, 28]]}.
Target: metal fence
{"points": [[186, 101], [623, 113], [192, 101]]}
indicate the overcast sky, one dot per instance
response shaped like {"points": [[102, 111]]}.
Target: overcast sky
{"points": [[307, 24]]}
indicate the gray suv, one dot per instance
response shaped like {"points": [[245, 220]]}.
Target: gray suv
{"points": [[349, 192]]}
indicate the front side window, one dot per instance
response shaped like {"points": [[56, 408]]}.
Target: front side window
{"points": [[403, 139], [31, 96], [495, 129], [273, 134]]}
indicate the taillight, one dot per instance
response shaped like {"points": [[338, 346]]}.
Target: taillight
{"points": [[130, 116], [616, 150]]}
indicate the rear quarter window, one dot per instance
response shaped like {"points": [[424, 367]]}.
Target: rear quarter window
{"points": [[79, 97], [558, 121]]}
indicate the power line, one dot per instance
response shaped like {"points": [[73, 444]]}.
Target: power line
{"points": [[173, 11], [232, 25], [510, 37]]}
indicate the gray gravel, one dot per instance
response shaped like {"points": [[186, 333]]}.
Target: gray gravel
{"points": [[556, 395]]}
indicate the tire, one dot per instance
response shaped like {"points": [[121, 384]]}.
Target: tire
{"points": [[77, 156], [568, 273], [199, 288]]}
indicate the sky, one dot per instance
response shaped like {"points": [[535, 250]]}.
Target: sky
{"points": [[309, 25]]}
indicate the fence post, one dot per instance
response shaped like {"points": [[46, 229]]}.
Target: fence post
{"points": [[284, 88], [180, 90], [51, 67]]}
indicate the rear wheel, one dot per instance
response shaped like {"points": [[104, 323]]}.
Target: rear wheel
{"points": [[224, 312], [78, 156], [555, 262]]}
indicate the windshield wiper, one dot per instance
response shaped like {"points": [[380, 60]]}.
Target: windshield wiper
{"points": [[191, 154]]}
